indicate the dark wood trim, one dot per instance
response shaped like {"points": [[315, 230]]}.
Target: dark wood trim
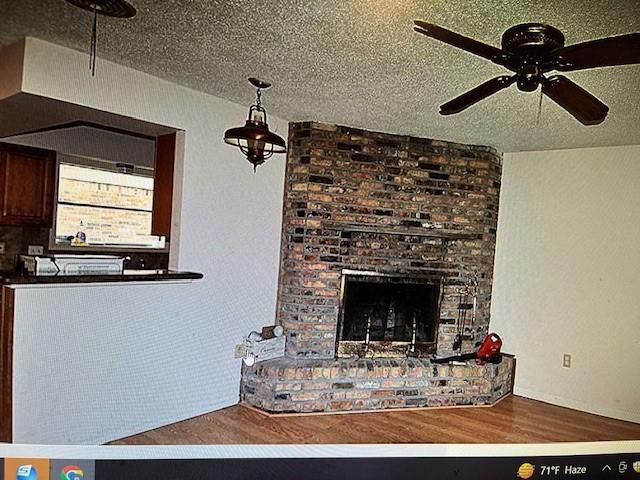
{"points": [[6, 365], [163, 185]]}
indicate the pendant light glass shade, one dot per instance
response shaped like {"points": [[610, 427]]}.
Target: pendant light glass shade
{"points": [[254, 139]]}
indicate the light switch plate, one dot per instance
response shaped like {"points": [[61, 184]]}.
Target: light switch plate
{"points": [[566, 360], [35, 250], [2, 248]]}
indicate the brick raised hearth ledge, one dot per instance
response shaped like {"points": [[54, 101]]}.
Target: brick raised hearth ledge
{"points": [[302, 386], [360, 204]]}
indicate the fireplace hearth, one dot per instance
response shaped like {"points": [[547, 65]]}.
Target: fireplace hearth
{"points": [[380, 234]]}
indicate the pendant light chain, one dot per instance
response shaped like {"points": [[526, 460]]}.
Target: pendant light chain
{"points": [[109, 8], [94, 43], [259, 105]]}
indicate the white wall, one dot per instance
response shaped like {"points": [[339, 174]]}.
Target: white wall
{"points": [[229, 227], [92, 143], [567, 276], [99, 362]]}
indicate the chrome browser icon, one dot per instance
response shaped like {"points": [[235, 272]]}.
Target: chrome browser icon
{"points": [[71, 472], [26, 472]]}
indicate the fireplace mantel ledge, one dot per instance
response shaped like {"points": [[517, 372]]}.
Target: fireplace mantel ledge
{"points": [[412, 231]]}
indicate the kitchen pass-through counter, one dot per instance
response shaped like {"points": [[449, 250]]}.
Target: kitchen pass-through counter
{"points": [[10, 278], [91, 358]]}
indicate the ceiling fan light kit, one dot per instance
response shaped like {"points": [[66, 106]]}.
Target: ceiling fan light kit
{"points": [[531, 50]]}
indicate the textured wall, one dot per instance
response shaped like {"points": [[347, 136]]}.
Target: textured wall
{"points": [[399, 191], [566, 278], [86, 360]]}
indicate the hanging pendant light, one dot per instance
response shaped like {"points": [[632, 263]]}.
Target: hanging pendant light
{"points": [[254, 139], [110, 8]]}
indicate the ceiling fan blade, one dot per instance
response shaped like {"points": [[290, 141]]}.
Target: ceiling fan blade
{"points": [[586, 108], [467, 44], [474, 95], [605, 52]]}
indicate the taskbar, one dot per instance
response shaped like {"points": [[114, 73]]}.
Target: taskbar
{"points": [[601, 466]]}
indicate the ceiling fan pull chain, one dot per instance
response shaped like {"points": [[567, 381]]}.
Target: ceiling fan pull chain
{"points": [[94, 42], [539, 107]]}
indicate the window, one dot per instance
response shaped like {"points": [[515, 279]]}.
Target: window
{"points": [[98, 206]]}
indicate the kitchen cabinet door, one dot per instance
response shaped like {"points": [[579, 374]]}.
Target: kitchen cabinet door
{"points": [[27, 185]]}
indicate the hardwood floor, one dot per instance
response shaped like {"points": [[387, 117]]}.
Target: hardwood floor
{"points": [[514, 420]]}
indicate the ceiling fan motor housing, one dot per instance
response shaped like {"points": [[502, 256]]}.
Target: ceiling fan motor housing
{"points": [[534, 43], [532, 40]]}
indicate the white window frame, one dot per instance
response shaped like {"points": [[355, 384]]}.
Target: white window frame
{"points": [[103, 165]]}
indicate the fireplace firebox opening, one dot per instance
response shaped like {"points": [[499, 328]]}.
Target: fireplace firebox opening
{"points": [[384, 315]]}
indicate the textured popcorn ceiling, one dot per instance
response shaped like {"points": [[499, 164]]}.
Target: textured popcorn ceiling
{"points": [[357, 62]]}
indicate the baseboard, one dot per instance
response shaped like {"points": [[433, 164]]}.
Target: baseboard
{"points": [[578, 405]]}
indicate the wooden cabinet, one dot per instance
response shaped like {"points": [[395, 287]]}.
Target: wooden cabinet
{"points": [[27, 185]]}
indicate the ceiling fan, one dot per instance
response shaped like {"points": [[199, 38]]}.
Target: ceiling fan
{"points": [[531, 50]]}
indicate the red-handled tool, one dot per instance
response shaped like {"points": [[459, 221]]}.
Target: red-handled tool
{"points": [[489, 351]]}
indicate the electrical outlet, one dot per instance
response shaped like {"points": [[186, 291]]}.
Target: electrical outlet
{"points": [[239, 351], [2, 248], [35, 250], [566, 360]]}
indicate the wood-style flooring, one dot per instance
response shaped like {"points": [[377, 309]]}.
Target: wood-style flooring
{"points": [[513, 420]]}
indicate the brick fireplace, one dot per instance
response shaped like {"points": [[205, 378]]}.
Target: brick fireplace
{"points": [[381, 233]]}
